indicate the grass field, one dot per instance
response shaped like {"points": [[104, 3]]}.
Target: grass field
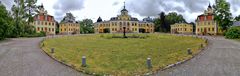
{"points": [[121, 57]]}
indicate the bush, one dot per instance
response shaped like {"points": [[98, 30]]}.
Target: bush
{"points": [[41, 34], [233, 33]]}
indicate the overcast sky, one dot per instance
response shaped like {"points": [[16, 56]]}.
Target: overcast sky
{"points": [[106, 9]]}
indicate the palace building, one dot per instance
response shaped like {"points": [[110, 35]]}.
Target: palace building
{"points": [[68, 25], [44, 22], [205, 24], [123, 22], [182, 28]]}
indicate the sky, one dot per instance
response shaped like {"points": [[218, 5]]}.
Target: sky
{"points": [[92, 9]]}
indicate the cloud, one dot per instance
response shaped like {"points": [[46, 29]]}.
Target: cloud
{"points": [[7, 3], [153, 7], [185, 7], [115, 3], [63, 6], [235, 4]]}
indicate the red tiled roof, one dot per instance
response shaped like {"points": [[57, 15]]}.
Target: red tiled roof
{"points": [[202, 17], [43, 17]]}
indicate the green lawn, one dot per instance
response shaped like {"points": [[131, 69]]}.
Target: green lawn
{"points": [[121, 57]]}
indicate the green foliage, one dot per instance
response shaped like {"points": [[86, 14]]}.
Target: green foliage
{"points": [[112, 36], [237, 18], [86, 26], [6, 22], [233, 33], [222, 14], [163, 23], [41, 34], [157, 23]]}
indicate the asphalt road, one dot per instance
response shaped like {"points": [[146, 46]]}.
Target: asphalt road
{"points": [[221, 58], [23, 57]]}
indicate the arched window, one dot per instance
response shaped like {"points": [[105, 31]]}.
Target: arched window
{"points": [[120, 23]]}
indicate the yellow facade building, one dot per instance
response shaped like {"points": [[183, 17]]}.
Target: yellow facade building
{"points": [[121, 22], [205, 23], [182, 28], [44, 22], [68, 25]]}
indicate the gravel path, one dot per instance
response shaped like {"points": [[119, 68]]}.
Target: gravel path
{"points": [[23, 57], [221, 58]]}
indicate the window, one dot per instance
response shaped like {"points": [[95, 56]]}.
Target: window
{"points": [[209, 23], [53, 29], [38, 29], [209, 29], [46, 23], [213, 29]]}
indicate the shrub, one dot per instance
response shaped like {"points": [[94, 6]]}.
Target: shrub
{"points": [[233, 33], [41, 34]]}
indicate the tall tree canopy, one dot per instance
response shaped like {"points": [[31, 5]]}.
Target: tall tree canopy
{"points": [[162, 24], [23, 12], [86, 26], [222, 14], [237, 18], [6, 22]]}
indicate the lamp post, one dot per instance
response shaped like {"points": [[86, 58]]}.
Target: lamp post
{"points": [[124, 32]]}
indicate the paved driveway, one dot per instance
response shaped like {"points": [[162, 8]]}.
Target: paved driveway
{"points": [[23, 57], [222, 58]]}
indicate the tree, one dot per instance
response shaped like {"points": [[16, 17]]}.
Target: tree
{"points": [[6, 22], [29, 7], [194, 26], [222, 14], [23, 15], [163, 23], [157, 23], [237, 18], [86, 26]]}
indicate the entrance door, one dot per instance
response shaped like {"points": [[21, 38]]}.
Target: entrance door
{"points": [[205, 31], [106, 30], [141, 30]]}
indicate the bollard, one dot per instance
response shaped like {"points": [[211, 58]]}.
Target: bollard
{"points": [[52, 50], [149, 64], [84, 64], [189, 51], [201, 45]]}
